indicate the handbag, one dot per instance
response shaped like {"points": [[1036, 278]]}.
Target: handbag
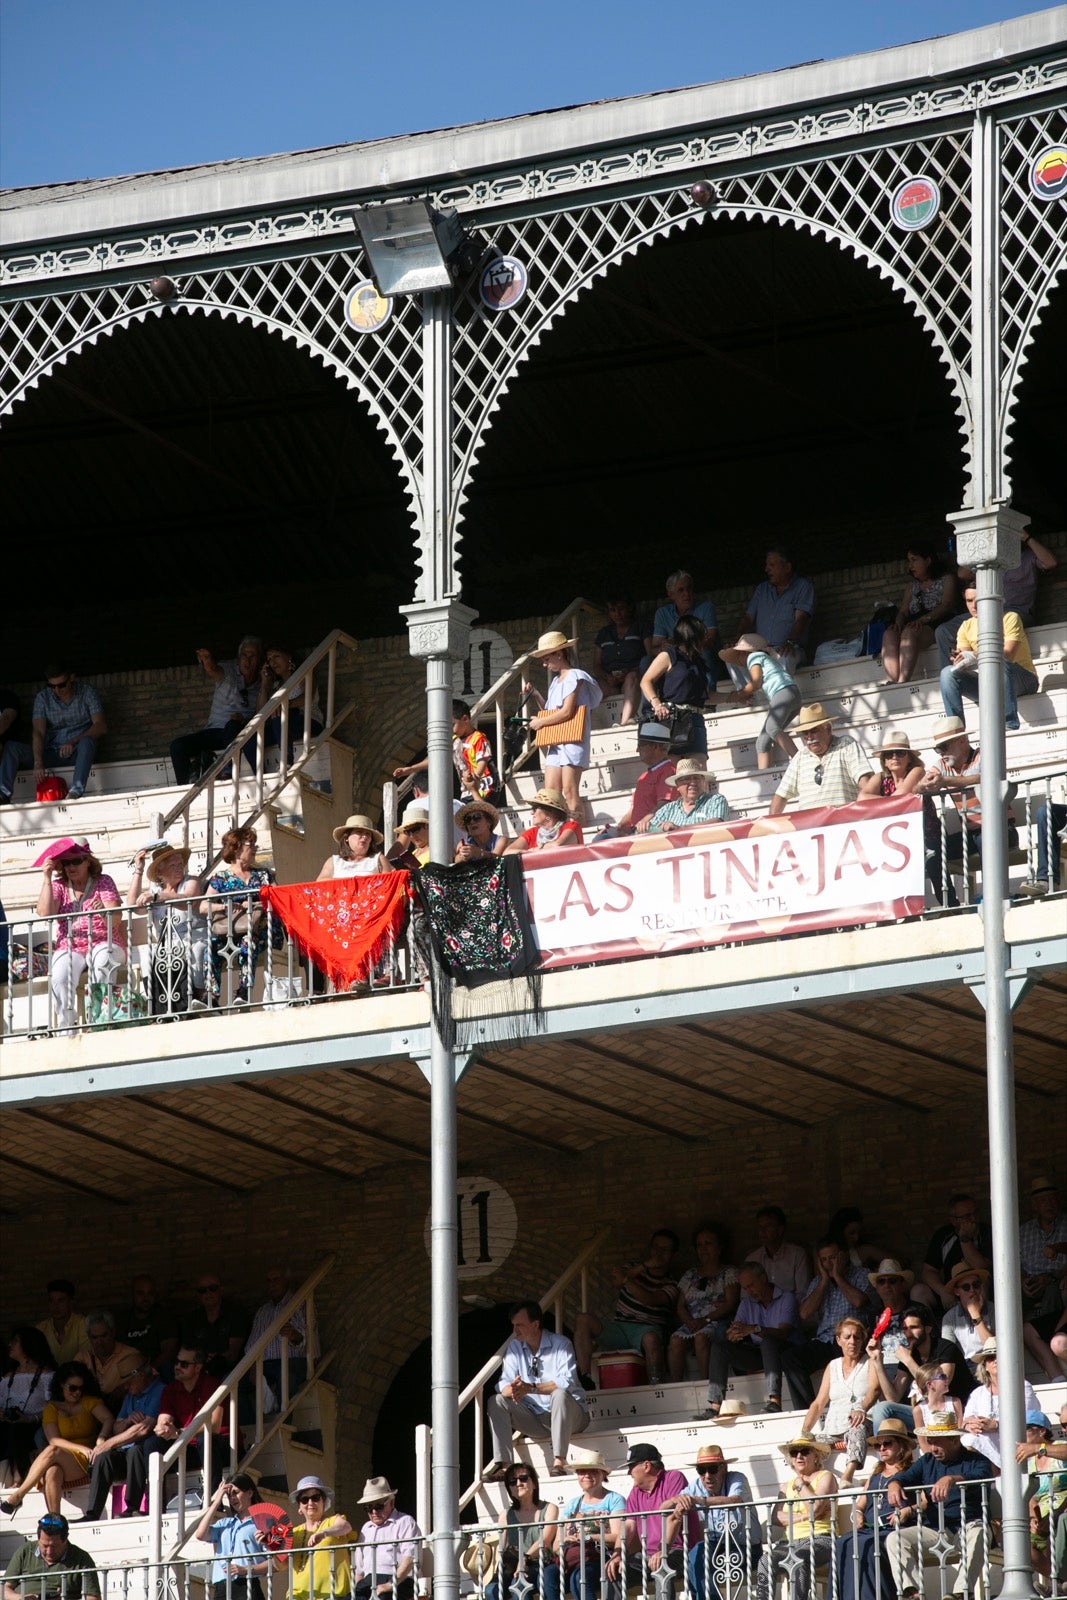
{"points": [[570, 732], [110, 1003], [282, 991], [52, 788], [241, 923]]}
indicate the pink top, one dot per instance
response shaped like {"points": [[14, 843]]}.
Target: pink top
{"points": [[75, 931], [667, 1486]]}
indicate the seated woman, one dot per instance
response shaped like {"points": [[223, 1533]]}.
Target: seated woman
{"points": [[679, 675], [570, 691], [358, 855], [930, 596], [278, 667], [620, 648], [767, 673], [73, 881], [901, 766], [861, 1555], [552, 828], [846, 1225], [1047, 1488], [593, 1523], [320, 1565], [23, 1397], [74, 1419], [804, 1517], [483, 840], [179, 929], [529, 1543], [708, 1296], [698, 800], [232, 908]]}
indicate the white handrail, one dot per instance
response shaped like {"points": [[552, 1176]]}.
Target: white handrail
{"points": [[227, 1392], [254, 734]]}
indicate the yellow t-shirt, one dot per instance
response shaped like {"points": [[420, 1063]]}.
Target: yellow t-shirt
{"points": [[311, 1572], [825, 1483], [967, 638]]}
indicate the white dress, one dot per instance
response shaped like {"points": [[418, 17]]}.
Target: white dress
{"points": [[358, 869]]}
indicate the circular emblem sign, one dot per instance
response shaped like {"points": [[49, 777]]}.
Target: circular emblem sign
{"points": [[915, 203], [365, 309], [1048, 173], [502, 284], [488, 1226]]}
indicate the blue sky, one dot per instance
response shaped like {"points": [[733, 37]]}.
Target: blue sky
{"points": [[105, 87]]}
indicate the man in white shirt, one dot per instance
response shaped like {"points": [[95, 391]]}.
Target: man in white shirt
{"points": [[539, 1393]]}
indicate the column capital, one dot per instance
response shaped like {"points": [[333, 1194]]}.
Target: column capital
{"points": [[439, 628], [988, 536]]}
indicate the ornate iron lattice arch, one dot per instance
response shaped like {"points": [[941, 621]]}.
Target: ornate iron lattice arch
{"points": [[843, 200]]}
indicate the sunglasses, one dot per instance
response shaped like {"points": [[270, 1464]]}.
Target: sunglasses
{"points": [[62, 683], [378, 1505], [709, 1472], [208, 1288], [818, 775], [804, 1452], [52, 1524], [178, 1362], [306, 1499], [969, 1283], [520, 1477]]}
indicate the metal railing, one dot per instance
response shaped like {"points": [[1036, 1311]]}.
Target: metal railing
{"points": [[752, 1549], [167, 962], [251, 743], [198, 1434], [473, 1394]]}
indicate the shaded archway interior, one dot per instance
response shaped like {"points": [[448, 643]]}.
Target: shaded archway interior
{"points": [[729, 384]]}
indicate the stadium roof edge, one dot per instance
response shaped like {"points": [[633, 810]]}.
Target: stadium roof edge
{"points": [[415, 163]]}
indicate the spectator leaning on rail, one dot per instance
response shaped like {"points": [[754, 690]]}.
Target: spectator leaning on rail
{"points": [[539, 1394], [68, 719], [1020, 591], [697, 799], [234, 701], [384, 1560], [50, 1567], [831, 770], [74, 882], [947, 1475], [659, 1538], [960, 677]]}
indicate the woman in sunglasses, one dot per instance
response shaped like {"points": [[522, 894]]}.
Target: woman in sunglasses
{"points": [[803, 1518], [73, 881], [75, 1419], [862, 1554], [317, 1567], [530, 1540]]}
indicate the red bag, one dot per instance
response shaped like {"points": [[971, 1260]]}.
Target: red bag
{"points": [[52, 788]]}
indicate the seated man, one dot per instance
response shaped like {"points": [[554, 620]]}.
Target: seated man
{"points": [[945, 1474], [109, 1361], [961, 1239], [539, 1394], [113, 1457], [384, 1560], [652, 1542], [831, 770], [620, 648], [149, 1326], [648, 1296], [50, 1567], [786, 1265], [680, 603], [651, 791], [697, 799], [64, 1328], [971, 1322], [68, 719], [1020, 590], [761, 1338], [218, 1326], [233, 702], [781, 609], [892, 1283], [1042, 1249], [727, 1531], [179, 1403], [927, 1347], [960, 677], [956, 772], [279, 1285], [837, 1290]]}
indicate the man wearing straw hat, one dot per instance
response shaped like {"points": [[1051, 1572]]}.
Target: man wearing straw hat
{"points": [[384, 1560], [948, 1476], [830, 770], [717, 1495], [697, 799]]}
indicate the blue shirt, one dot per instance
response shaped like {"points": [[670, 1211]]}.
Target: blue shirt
{"points": [[718, 1518], [553, 1361], [774, 676], [148, 1403], [709, 808], [234, 1538], [64, 722], [783, 1308], [666, 619], [835, 1305], [774, 614]]}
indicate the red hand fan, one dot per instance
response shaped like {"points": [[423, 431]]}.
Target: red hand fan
{"points": [[882, 1324]]}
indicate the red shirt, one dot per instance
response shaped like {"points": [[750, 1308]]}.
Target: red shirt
{"points": [[183, 1404], [570, 833], [651, 791]]}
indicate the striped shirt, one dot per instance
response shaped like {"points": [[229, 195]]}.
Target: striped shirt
{"points": [[709, 808], [831, 779]]}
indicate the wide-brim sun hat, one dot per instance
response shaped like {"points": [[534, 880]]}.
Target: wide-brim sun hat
{"points": [[161, 855], [813, 716], [688, 767], [359, 823], [945, 729], [549, 643], [480, 808], [413, 816], [739, 652], [712, 1453], [730, 1411], [551, 800], [376, 1489], [1038, 1186], [891, 1269], [941, 1426], [59, 849], [805, 1441], [588, 1461], [311, 1482], [962, 1270], [988, 1352], [895, 739], [893, 1428]]}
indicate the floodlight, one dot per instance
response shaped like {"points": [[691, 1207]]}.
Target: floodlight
{"points": [[409, 245]]}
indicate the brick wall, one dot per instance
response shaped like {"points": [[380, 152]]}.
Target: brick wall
{"points": [[146, 708], [374, 1307]]}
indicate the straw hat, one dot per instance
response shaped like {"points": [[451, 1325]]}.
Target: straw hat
{"points": [[163, 853], [688, 767], [412, 817], [813, 716], [376, 1489], [891, 1269], [730, 1410], [945, 729], [893, 1428], [1037, 1185], [895, 739], [710, 1455], [988, 1352], [360, 822], [941, 1426], [744, 647], [479, 808], [805, 1441], [962, 1270], [549, 643], [588, 1461], [551, 799]]}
